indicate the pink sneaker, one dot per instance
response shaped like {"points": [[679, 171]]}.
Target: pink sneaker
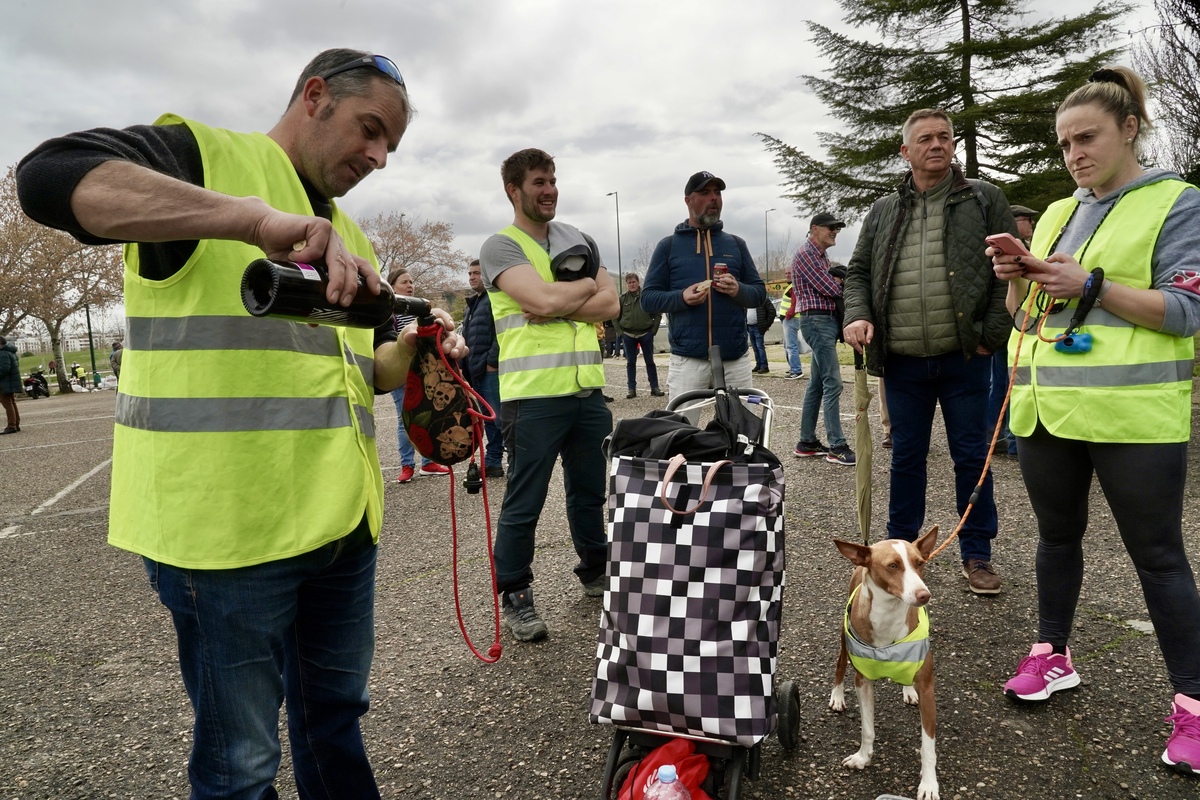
{"points": [[406, 475], [1041, 674], [431, 469], [1183, 748]]}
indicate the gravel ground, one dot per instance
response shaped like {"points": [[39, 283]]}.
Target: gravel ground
{"points": [[91, 704]]}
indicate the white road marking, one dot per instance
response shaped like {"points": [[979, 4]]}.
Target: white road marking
{"points": [[12, 530]]}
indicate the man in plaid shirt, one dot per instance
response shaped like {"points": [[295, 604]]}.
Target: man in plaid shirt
{"points": [[816, 293]]}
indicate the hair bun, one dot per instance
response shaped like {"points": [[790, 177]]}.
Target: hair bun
{"points": [[1106, 76]]}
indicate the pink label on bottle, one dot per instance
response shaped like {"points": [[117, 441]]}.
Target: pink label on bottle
{"points": [[309, 272]]}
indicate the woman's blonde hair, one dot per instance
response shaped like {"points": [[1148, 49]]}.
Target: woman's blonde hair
{"points": [[1117, 90]]}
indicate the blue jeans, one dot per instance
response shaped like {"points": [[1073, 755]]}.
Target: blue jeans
{"points": [[299, 630], [489, 387], [791, 345], [537, 432], [824, 383], [631, 345], [408, 453], [915, 387], [1000, 372], [759, 346]]}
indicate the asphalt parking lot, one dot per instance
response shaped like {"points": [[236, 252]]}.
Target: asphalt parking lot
{"points": [[91, 704]]}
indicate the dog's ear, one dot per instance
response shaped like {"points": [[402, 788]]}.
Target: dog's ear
{"points": [[927, 542], [859, 554]]}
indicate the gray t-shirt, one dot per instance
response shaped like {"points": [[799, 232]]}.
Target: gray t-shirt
{"points": [[1176, 259], [500, 252]]}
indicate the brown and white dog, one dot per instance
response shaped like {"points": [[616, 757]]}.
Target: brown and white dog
{"points": [[885, 634]]}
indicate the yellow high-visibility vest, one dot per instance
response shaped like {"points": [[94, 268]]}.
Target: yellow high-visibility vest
{"points": [[899, 661], [1135, 384], [545, 359], [239, 440]]}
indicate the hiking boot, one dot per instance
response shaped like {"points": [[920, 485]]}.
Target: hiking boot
{"points": [[596, 586], [1183, 748], [1042, 673], [632, 394], [810, 449], [981, 577], [518, 613], [494, 471], [431, 470], [657, 393], [406, 475], [842, 454]]}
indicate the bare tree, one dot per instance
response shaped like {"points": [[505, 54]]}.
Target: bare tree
{"points": [[19, 238], [424, 248], [1169, 58]]}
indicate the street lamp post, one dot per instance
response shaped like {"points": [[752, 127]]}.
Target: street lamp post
{"points": [[617, 200], [767, 245]]}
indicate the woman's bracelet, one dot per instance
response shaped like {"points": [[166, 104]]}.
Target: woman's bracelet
{"points": [[1103, 290]]}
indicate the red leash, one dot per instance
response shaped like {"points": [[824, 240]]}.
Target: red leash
{"points": [[478, 417]]}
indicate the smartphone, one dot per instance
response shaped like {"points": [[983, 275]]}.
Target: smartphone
{"points": [[1008, 244]]}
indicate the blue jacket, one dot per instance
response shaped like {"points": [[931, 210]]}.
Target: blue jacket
{"points": [[479, 329], [678, 262], [10, 370]]}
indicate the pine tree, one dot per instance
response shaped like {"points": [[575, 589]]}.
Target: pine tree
{"points": [[998, 75]]}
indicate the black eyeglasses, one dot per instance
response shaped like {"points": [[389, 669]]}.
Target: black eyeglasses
{"points": [[381, 63]]}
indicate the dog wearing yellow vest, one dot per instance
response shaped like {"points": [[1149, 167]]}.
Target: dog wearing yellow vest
{"points": [[885, 634]]}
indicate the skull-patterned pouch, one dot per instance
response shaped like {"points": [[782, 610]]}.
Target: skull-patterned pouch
{"points": [[437, 405]]}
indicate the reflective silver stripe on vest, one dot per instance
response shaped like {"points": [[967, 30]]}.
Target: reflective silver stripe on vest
{"points": [[510, 322], [365, 365], [1111, 375], [550, 361], [229, 414], [366, 421], [229, 333], [907, 652]]}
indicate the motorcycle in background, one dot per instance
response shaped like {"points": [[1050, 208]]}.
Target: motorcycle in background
{"points": [[36, 384]]}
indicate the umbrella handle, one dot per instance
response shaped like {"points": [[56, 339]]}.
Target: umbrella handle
{"points": [[673, 466]]}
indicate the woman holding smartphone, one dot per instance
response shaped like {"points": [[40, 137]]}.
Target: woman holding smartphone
{"points": [[1122, 410]]}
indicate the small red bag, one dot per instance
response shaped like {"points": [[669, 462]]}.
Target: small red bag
{"points": [[691, 768]]}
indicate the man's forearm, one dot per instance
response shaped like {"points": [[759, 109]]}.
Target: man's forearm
{"points": [[126, 202]]}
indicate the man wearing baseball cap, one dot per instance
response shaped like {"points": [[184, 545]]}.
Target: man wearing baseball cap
{"points": [[817, 293], [704, 279], [1024, 216]]}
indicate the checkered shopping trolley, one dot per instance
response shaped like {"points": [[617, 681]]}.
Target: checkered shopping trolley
{"points": [[690, 628]]}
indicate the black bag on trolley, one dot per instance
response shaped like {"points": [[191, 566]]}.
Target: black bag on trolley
{"points": [[690, 628]]}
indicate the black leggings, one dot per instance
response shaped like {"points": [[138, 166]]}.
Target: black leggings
{"points": [[1143, 484]]}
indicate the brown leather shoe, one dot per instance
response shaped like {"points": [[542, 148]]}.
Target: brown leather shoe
{"points": [[981, 577]]}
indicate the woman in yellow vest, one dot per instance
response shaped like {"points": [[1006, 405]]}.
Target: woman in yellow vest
{"points": [[1122, 410]]}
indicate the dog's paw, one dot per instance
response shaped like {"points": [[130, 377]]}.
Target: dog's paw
{"points": [[928, 789], [859, 760], [837, 698], [910, 695]]}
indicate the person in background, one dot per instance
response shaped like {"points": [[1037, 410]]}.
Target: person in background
{"points": [[755, 329], [548, 288], [704, 279], [922, 303], [114, 359], [818, 301], [791, 334], [637, 331], [245, 470], [10, 385], [482, 364], [1122, 412], [402, 284]]}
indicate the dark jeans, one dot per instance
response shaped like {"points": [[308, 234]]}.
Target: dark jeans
{"points": [[824, 381], [536, 433], [631, 345], [1144, 485], [301, 629], [1001, 368], [489, 387], [759, 346], [915, 387]]}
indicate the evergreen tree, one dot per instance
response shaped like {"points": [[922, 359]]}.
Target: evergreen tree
{"points": [[1169, 59], [998, 76]]}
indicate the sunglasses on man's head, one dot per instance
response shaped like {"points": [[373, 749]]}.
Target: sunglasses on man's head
{"points": [[381, 63]]}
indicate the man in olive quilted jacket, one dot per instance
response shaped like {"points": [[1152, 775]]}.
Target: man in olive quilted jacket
{"points": [[923, 305]]}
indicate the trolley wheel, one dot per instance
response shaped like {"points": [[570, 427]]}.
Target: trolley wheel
{"points": [[788, 699], [628, 762]]}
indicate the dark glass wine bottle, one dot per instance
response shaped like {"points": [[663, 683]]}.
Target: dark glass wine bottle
{"points": [[297, 292]]}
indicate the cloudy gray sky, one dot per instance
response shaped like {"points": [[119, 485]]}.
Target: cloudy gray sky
{"points": [[630, 96]]}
